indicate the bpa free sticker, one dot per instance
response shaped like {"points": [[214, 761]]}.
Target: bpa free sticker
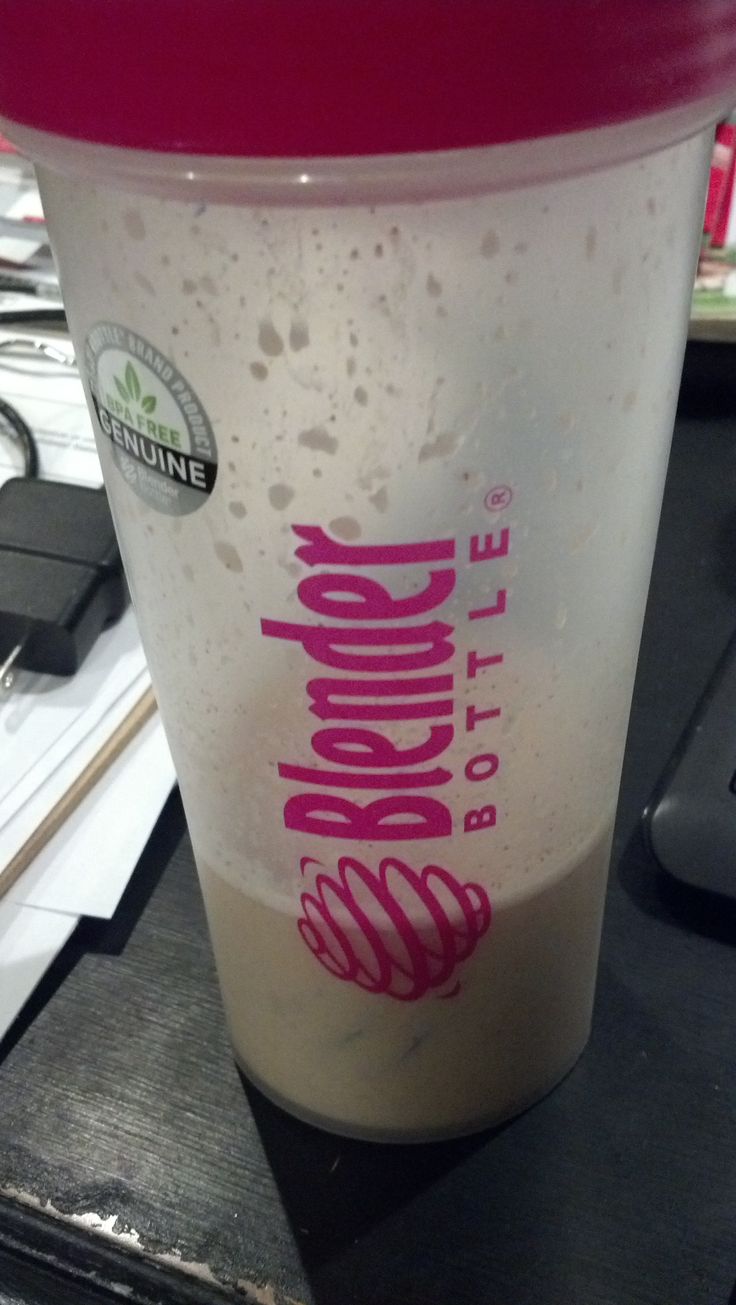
{"points": [[160, 435]]}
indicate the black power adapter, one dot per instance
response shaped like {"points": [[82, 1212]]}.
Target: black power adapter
{"points": [[61, 576]]}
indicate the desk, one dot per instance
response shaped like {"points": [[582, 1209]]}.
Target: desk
{"points": [[119, 1099]]}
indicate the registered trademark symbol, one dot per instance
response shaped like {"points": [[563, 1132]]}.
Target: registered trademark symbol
{"points": [[498, 498]]}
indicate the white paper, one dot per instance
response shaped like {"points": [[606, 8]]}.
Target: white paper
{"points": [[46, 717], [16, 831], [86, 866], [29, 941], [51, 729]]}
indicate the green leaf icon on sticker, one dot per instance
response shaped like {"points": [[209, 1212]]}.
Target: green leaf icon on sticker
{"points": [[149, 403], [122, 390], [132, 382]]}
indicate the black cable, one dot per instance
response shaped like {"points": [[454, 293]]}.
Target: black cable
{"points": [[13, 427]]}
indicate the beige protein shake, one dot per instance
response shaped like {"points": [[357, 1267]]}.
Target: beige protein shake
{"points": [[433, 1066]]}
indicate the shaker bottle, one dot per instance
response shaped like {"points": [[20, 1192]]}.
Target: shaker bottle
{"points": [[380, 309]]}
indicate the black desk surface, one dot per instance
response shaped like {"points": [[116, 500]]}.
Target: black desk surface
{"points": [[120, 1104]]}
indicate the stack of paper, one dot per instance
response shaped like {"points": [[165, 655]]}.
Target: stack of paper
{"points": [[50, 729]]}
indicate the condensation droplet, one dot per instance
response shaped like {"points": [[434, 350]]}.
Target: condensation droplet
{"points": [[629, 401], [298, 335], [360, 395], [269, 340], [591, 240], [366, 480], [188, 286], [441, 447], [259, 370], [434, 287], [228, 555], [208, 285], [280, 496], [134, 225], [379, 499], [144, 283], [319, 439], [237, 509], [584, 537], [346, 528], [490, 244]]}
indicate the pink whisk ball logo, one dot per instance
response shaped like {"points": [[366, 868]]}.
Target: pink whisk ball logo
{"points": [[397, 931]]}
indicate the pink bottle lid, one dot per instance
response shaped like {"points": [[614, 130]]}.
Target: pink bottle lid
{"points": [[302, 78]]}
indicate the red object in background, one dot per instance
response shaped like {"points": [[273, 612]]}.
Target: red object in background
{"points": [[6, 147], [721, 185]]}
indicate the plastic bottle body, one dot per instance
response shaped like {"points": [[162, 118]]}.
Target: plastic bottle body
{"points": [[387, 474]]}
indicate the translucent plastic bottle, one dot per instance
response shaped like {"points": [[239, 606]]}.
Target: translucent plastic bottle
{"points": [[383, 403]]}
